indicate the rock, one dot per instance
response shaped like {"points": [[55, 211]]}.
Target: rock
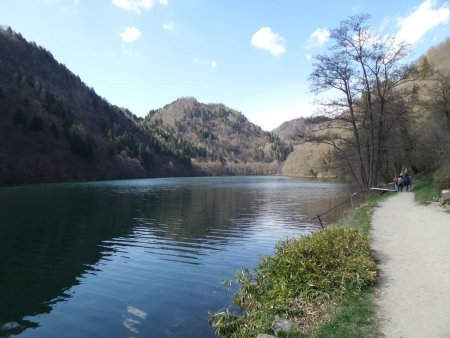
{"points": [[280, 324], [263, 335], [445, 197]]}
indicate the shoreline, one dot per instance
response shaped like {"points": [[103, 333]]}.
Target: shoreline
{"points": [[306, 269]]}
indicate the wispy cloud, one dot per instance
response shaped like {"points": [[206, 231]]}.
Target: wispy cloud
{"points": [[170, 26], [130, 34], [206, 63], [423, 19], [270, 41], [137, 5], [318, 38]]}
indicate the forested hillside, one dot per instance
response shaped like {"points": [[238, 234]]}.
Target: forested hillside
{"points": [[306, 159], [54, 128], [220, 139]]}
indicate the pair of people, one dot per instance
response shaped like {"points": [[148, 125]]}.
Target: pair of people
{"points": [[403, 181]]}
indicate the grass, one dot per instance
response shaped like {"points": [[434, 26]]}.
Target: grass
{"points": [[354, 318], [323, 283], [361, 216], [424, 192]]}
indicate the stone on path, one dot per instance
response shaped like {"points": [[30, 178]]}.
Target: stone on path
{"points": [[445, 197]]}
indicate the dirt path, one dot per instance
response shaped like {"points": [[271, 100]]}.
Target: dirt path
{"points": [[413, 244]]}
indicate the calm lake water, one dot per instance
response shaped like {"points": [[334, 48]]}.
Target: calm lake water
{"points": [[141, 258]]}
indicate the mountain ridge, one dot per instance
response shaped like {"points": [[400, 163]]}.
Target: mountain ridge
{"points": [[215, 133], [56, 128]]}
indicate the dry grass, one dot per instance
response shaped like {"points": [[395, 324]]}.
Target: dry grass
{"points": [[313, 315]]}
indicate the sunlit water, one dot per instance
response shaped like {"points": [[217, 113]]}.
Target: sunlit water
{"points": [[141, 258]]}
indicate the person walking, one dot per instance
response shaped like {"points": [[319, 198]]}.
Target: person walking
{"points": [[400, 183], [406, 182]]}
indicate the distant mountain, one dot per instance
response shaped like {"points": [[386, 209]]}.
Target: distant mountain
{"points": [[213, 134], [306, 159], [287, 129], [55, 128]]}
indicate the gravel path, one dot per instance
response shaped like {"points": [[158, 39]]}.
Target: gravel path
{"points": [[413, 244]]}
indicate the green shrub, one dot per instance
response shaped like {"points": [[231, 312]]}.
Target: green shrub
{"points": [[425, 191], [439, 177], [318, 268]]}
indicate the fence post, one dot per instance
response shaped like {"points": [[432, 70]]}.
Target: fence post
{"points": [[320, 221]]}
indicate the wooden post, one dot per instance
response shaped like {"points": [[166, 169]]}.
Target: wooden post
{"points": [[320, 221]]}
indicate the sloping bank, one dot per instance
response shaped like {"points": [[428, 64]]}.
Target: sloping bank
{"points": [[316, 286]]}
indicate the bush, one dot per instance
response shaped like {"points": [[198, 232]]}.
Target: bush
{"points": [[425, 191], [440, 177], [318, 268]]}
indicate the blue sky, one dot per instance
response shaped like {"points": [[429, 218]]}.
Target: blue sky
{"points": [[253, 56]]}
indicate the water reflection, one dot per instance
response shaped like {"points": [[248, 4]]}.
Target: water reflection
{"points": [[133, 319], [154, 247]]}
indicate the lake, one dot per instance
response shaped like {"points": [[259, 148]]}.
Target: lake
{"points": [[141, 258]]}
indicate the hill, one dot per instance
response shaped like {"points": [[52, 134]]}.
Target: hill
{"points": [[55, 128], [287, 129], [306, 159], [220, 140]]}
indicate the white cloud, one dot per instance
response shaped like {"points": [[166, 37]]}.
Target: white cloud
{"points": [[130, 34], [308, 57], [134, 5], [204, 63], [317, 38], [164, 2], [421, 20], [170, 26], [270, 41]]}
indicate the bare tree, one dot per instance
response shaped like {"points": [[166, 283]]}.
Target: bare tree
{"points": [[366, 74]]}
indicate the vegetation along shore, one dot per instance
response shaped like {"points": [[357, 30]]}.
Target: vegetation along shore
{"points": [[322, 284]]}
